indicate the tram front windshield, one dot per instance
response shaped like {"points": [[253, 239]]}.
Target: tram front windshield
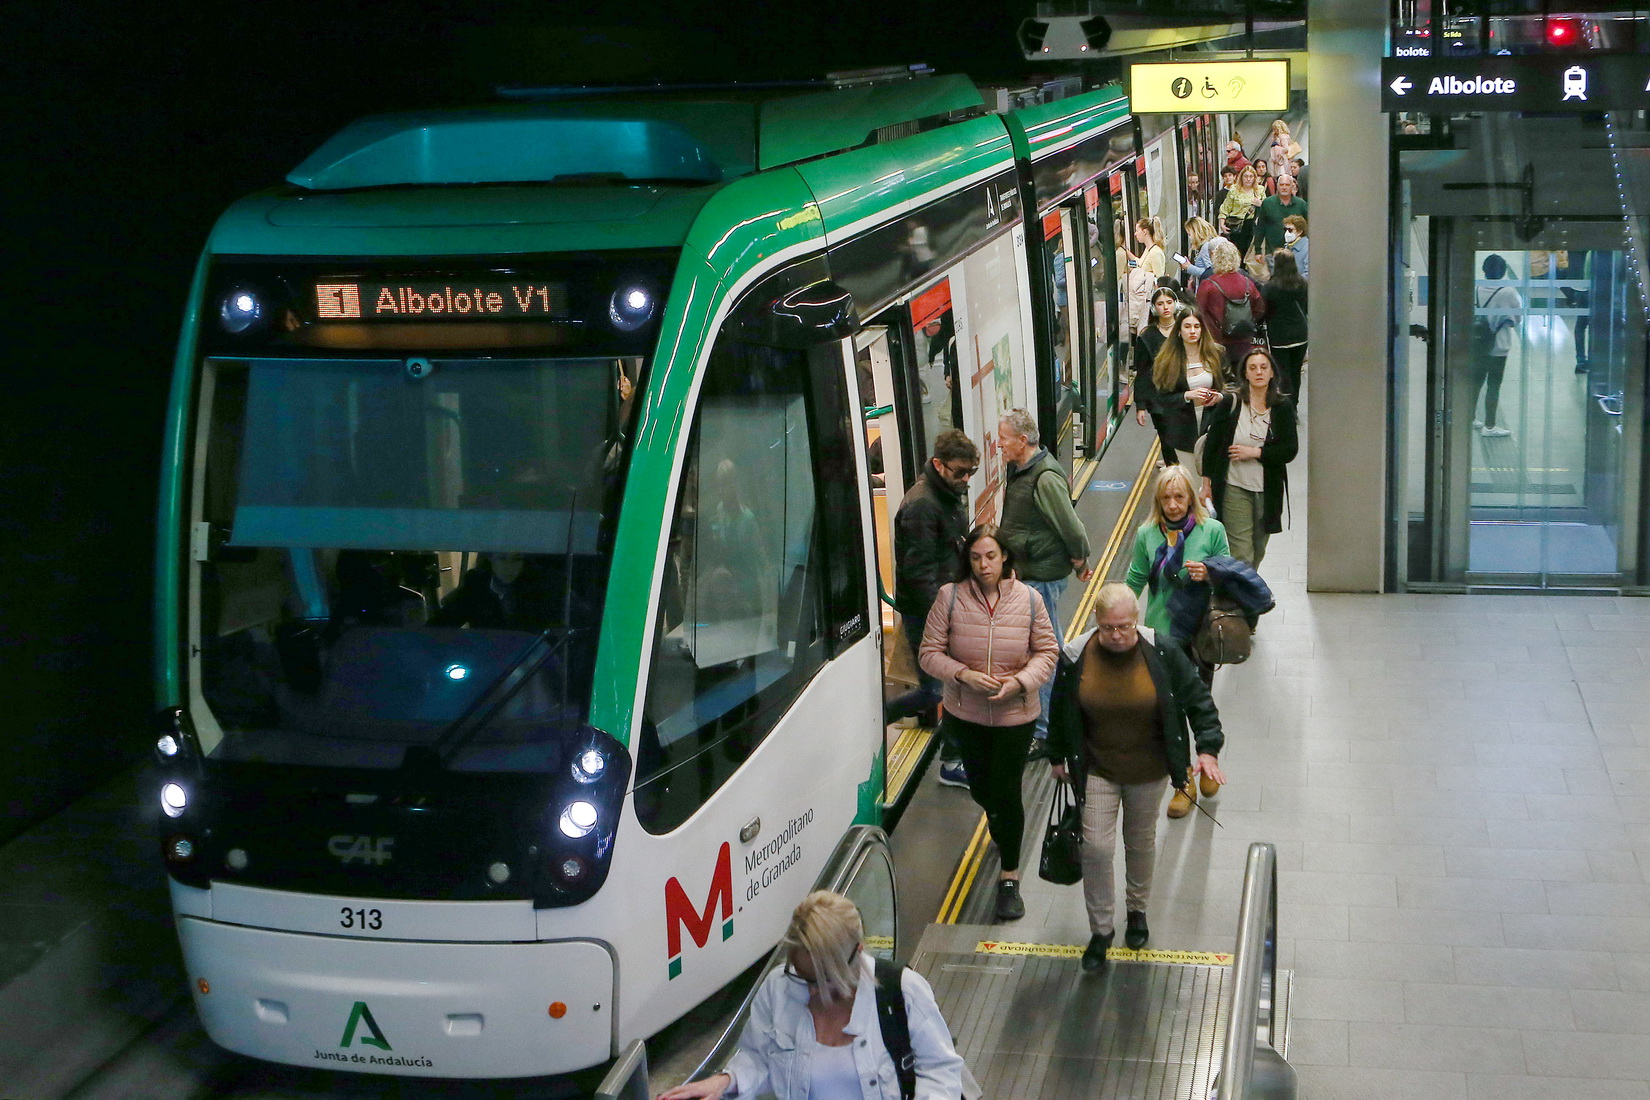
{"points": [[403, 560]]}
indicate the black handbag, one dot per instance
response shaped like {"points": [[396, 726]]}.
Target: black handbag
{"points": [[1062, 862]]}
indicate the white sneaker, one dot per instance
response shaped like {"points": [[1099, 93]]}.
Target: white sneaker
{"points": [[1497, 432], [1477, 424]]}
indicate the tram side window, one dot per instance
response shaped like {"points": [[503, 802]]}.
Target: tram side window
{"points": [[747, 591]]}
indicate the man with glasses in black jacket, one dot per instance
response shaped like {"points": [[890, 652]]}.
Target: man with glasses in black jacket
{"points": [[930, 525]]}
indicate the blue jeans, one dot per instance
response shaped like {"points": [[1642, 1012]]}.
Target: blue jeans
{"points": [[926, 695], [1051, 592], [928, 691]]}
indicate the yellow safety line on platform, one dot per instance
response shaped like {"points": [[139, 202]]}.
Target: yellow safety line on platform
{"points": [[1120, 954], [964, 878], [1119, 534], [974, 855]]}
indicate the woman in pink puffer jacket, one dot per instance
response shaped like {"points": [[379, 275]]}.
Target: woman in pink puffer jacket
{"points": [[990, 642]]}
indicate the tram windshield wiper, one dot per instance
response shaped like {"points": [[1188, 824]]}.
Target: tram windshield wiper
{"points": [[552, 643]]}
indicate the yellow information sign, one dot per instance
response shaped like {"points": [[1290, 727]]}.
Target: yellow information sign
{"points": [[1120, 954], [1196, 87]]}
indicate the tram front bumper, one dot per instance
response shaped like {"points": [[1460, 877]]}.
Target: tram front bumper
{"points": [[394, 1006]]}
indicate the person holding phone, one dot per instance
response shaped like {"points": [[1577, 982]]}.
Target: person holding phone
{"points": [[1187, 373], [1199, 236]]}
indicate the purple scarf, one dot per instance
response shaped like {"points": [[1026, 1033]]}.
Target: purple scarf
{"points": [[1168, 560]]}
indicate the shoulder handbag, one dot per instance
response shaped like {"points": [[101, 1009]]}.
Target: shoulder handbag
{"points": [[895, 1027], [896, 1032], [1062, 860], [1223, 637]]}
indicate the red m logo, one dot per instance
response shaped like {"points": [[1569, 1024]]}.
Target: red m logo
{"points": [[679, 910]]}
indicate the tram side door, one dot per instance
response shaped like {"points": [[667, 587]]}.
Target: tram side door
{"points": [[1061, 227], [893, 443], [1539, 380]]}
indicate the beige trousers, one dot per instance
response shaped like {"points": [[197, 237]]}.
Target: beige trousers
{"points": [[1140, 805]]}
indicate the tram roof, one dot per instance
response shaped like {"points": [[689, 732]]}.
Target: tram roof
{"points": [[631, 171], [633, 138]]}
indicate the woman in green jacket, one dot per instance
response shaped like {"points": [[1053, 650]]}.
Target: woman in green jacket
{"points": [[1170, 548], [1169, 552]]}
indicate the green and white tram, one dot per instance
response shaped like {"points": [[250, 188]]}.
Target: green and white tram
{"points": [[520, 651]]}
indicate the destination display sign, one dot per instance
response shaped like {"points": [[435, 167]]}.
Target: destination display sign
{"points": [[1545, 82], [427, 300], [1193, 87]]}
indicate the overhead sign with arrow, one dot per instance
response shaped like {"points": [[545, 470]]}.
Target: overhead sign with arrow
{"points": [[1544, 82]]}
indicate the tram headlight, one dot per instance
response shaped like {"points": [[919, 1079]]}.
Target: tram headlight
{"points": [[241, 310], [174, 800], [589, 765], [577, 820], [180, 849], [167, 746], [630, 308]]}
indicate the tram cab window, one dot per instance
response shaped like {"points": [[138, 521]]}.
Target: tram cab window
{"points": [[764, 570], [377, 548]]}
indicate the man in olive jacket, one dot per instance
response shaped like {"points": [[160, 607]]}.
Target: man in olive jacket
{"points": [[928, 528], [1040, 527]]}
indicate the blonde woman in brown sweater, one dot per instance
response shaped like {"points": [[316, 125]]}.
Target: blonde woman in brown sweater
{"points": [[1126, 716]]}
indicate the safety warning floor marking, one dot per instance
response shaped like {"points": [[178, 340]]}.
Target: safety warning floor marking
{"points": [[1120, 954]]}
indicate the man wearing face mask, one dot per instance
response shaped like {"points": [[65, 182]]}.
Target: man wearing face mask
{"points": [[1294, 239], [1269, 218]]}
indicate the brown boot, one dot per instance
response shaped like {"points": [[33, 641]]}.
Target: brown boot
{"points": [[1208, 786], [1181, 804]]}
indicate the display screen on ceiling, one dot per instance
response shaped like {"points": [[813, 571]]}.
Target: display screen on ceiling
{"points": [[354, 300]]}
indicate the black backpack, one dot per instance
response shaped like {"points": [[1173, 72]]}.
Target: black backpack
{"points": [[1240, 315], [1483, 335]]}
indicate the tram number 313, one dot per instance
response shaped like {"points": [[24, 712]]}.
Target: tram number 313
{"points": [[371, 920]]}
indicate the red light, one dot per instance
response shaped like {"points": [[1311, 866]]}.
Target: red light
{"points": [[1563, 32]]}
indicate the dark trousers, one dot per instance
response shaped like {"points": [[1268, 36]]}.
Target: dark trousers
{"points": [[928, 692], [1242, 236], [1166, 449], [1289, 362], [1486, 375], [995, 759]]}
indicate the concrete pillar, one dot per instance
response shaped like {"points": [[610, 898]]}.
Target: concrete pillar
{"points": [[1347, 393]]}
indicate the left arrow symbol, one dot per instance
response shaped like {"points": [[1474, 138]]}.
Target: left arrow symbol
{"points": [[1401, 85]]}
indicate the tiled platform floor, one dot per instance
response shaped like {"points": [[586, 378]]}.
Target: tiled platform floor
{"points": [[1456, 786]]}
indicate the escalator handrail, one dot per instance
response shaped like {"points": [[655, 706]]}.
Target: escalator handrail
{"points": [[627, 1080], [1252, 1018], [839, 872]]}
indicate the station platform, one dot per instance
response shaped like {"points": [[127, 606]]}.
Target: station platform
{"points": [[1448, 780]]}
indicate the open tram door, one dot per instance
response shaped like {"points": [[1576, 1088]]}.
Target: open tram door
{"points": [[898, 403]]}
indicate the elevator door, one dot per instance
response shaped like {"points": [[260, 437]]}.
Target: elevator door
{"points": [[1540, 388]]}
